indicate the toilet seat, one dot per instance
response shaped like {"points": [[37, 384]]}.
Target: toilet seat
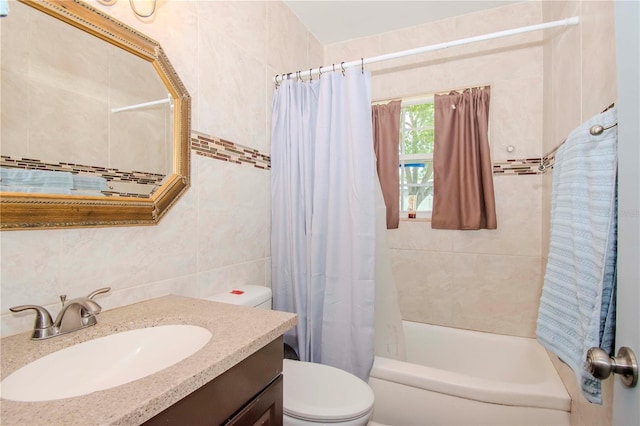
{"points": [[321, 393]]}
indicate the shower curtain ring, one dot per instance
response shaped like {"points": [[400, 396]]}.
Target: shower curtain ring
{"points": [[310, 75], [319, 72], [342, 66], [362, 65], [334, 67]]}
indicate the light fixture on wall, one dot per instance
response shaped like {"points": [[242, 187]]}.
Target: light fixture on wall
{"points": [[133, 7]]}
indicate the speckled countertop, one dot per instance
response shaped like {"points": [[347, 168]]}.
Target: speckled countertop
{"points": [[238, 332]]}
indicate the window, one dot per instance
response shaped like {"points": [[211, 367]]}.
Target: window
{"points": [[416, 156]]}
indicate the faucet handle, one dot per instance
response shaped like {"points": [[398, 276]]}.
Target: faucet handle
{"points": [[43, 326], [98, 291], [91, 308], [43, 317]]}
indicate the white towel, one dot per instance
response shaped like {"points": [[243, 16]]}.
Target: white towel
{"points": [[36, 181], [89, 183], [577, 307]]}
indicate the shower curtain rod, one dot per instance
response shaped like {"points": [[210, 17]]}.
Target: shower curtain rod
{"points": [[364, 61], [167, 100]]}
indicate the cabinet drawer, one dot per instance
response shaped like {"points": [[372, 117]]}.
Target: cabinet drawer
{"points": [[264, 410]]}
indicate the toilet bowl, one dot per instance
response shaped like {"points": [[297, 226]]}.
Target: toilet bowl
{"points": [[313, 393]]}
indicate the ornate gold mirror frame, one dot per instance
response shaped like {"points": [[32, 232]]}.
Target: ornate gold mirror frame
{"points": [[32, 211]]}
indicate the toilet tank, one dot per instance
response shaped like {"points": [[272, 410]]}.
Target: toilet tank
{"points": [[245, 295]]}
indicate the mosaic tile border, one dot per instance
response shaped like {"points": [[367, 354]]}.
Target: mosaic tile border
{"points": [[527, 166], [109, 174], [220, 149]]}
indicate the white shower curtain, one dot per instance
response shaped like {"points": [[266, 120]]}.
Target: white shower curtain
{"points": [[323, 217]]}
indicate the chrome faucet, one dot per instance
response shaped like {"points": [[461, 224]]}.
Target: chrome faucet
{"points": [[75, 314]]}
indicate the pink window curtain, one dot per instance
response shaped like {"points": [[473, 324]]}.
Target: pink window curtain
{"points": [[386, 139], [463, 178]]}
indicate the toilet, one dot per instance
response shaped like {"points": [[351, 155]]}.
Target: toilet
{"points": [[313, 393]]}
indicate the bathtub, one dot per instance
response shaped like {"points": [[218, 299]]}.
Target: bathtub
{"points": [[461, 377]]}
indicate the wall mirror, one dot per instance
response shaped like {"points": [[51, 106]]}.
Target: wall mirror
{"points": [[95, 126]]}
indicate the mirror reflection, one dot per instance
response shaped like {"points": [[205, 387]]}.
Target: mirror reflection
{"points": [[98, 119], [95, 121]]}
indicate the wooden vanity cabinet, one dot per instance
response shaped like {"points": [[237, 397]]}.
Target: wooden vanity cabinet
{"points": [[250, 393]]}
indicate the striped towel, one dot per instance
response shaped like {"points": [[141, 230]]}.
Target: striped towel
{"points": [[577, 307], [40, 181], [89, 183]]}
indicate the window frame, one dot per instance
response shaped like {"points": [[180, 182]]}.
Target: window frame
{"points": [[409, 158]]}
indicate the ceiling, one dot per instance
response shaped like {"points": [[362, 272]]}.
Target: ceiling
{"points": [[333, 21]]}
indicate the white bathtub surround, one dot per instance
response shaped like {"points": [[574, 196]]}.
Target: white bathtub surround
{"points": [[389, 334], [455, 376]]}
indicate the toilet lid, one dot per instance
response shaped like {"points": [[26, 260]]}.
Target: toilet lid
{"points": [[320, 392]]}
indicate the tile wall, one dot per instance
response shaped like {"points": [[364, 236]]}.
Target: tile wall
{"points": [[220, 149], [488, 280], [217, 235]]}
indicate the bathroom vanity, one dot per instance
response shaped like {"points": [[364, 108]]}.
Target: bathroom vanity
{"points": [[235, 377]]}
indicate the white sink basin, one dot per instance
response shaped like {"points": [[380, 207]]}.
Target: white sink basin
{"points": [[103, 363]]}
